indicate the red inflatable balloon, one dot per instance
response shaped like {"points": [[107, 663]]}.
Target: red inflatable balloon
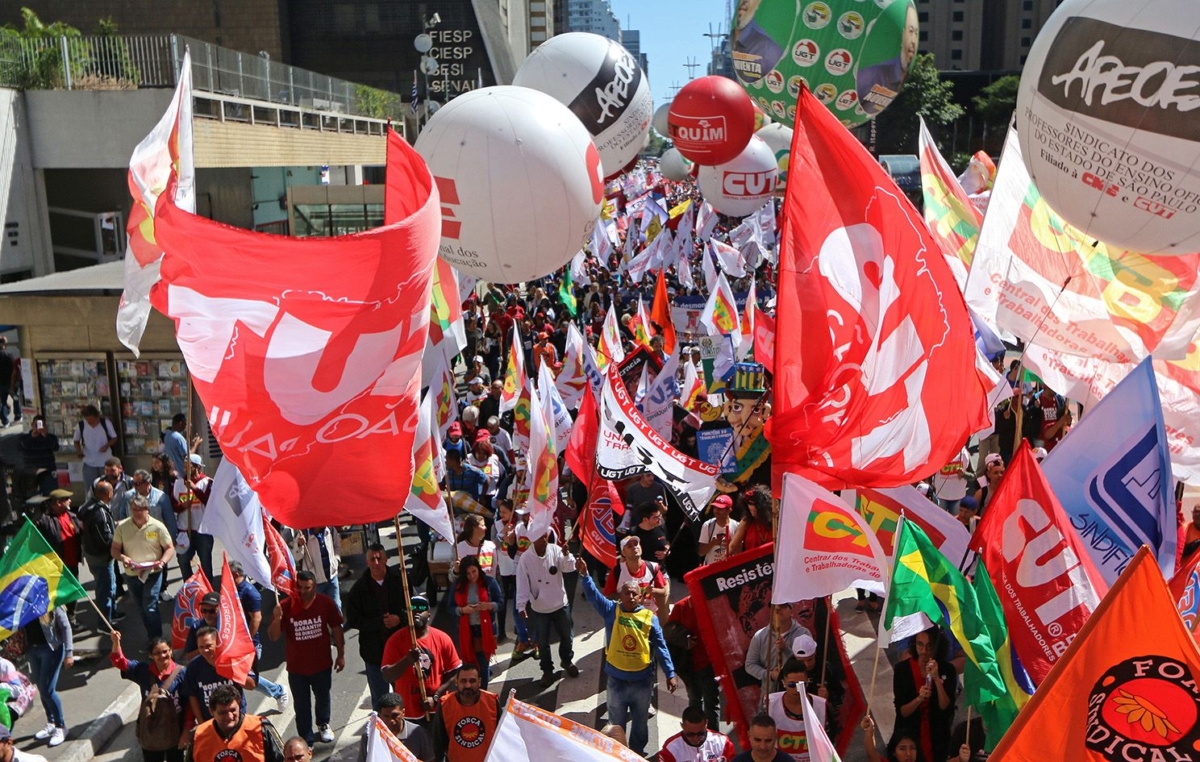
{"points": [[711, 120]]}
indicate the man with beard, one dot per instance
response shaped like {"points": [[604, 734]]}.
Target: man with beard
{"points": [[231, 734], [466, 719]]}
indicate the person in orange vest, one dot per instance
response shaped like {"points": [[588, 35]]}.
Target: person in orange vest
{"points": [[466, 720], [231, 734]]}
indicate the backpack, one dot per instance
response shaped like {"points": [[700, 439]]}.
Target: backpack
{"points": [[159, 722], [98, 529]]}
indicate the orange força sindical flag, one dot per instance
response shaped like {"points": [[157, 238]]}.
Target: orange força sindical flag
{"points": [[1126, 687]]}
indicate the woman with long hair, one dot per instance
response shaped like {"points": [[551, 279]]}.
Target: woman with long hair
{"points": [[903, 747], [477, 598], [755, 528], [473, 541], [162, 473]]}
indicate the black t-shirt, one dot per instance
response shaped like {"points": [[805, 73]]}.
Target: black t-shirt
{"points": [[7, 365], [201, 679], [653, 540]]}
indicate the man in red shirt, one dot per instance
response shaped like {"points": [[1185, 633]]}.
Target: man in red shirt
{"points": [[655, 587], [696, 741], [434, 653], [308, 620]]}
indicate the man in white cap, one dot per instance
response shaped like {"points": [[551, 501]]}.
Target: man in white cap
{"points": [[654, 585], [478, 369], [717, 532], [824, 680], [542, 599], [475, 391], [771, 646]]}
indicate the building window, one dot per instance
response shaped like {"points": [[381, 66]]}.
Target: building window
{"points": [[1026, 5], [537, 7], [537, 36], [956, 35], [1023, 57], [957, 16], [956, 54], [924, 36], [923, 17], [1027, 23], [1025, 42]]}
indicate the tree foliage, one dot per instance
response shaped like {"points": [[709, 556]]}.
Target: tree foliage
{"points": [[996, 103], [925, 94]]}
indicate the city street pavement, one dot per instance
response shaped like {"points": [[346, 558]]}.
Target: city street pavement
{"points": [[94, 695]]}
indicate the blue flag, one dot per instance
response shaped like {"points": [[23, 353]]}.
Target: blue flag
{"points": [[1112, 473]]}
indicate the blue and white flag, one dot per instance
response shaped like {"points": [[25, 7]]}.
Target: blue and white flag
{"points": [[1112, 473]]}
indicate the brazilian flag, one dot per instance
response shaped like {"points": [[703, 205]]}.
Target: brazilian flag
{"points": [[33, 580], [566, 293]]}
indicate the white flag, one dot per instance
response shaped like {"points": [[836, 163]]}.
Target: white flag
{"points": [[526, 732], [659, 400], [710, 270], [560, 417], [150, 170], [572, 379], [425, 500], [820, 748], [729, 258], [706, 221], [234, 516], [610, 349], [382, 744], [830, 547]]}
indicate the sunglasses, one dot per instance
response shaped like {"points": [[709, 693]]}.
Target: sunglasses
{"points": [[418, 608], [207, 610]]}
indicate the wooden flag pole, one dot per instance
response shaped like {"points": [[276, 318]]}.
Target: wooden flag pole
{"points": [[412, 627], [825, 647]]}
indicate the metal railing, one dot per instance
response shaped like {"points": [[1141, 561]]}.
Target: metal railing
{"points": [[125, 62]]}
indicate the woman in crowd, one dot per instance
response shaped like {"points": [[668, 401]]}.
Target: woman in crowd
{"points": [[477, 598], [162, 474], [902, 748], [755, 529], [51, 648], [923, 690], [160, 731], [472, 541]]}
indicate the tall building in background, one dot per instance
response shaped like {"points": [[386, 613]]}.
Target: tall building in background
{"points": [[981, 35], [595, 16], [528, 23], [721, 64], [632, 40]]}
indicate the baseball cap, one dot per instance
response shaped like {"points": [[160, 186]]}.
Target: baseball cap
{"points": [[211, 599], [994, 457], [5, 735], [475, 380], [478, 359], [419, 603], [483, 436], [455, 428], [722, 501], [60, 494], [196, 459], [804, 647], [629, 539]]}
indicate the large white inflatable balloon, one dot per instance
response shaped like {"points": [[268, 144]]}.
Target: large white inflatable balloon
{"points": [[673, 166], [778, 138], [741, 186], [660, 119], [520, 182], [1106, 115], [602, 84]]}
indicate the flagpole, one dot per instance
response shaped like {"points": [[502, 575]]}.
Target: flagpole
{"points": [[825, 647], [412, 627], [967, 739], [874, 673]]}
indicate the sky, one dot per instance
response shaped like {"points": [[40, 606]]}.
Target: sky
{"points": [[672, 33]]}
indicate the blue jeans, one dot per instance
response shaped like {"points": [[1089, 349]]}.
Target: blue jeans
{"points": [[198, 545], [45, 663], [104, 572], [333, 589], [265, 686], [629, 701], [146, 595], [377, 683], [319, 685], [560, 622]]}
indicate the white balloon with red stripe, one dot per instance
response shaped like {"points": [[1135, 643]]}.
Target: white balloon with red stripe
{"points": [[520, 182]]}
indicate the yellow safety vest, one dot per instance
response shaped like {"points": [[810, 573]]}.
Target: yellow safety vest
{"points": [[629, 641]]}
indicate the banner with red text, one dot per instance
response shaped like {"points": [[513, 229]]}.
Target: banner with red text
{"points": [[1048, 283]]}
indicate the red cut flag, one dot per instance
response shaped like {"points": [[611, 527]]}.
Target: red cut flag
{"points": [[875, 377], [1124, 690], [1185, 591], [660, 313], [307, 352], [187, 607], [235, 649], [283, 569], [1044, 575], [581, 449]]}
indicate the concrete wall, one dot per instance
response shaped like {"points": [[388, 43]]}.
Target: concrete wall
{"points": [[72, 129], [24, 245], [226, 195], [78, 324], [236, 144]]}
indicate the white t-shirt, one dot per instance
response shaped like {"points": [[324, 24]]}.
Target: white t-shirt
{"points": [[951, 482], [719, 551], [95, 437], [790, 732]]}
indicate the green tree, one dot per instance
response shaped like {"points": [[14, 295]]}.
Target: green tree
{"points": [[29, 61], [925, 94], [995, 105], [656, 145]]}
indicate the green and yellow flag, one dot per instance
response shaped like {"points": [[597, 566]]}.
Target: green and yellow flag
{"points": [[566, 292], [926, 582], [33, 580]]}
